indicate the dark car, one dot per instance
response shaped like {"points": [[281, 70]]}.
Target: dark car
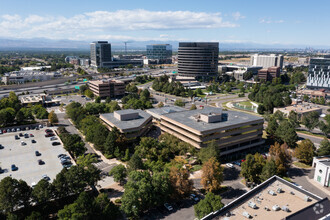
{"points": [[26, 135], [63, 162], [49, 135], [1, 170], [56, 143], [21, 134], [237, 163], [61, 155], [1, 147], [41, 162], [48, 130], [37, 153], [14, 167], [67, 165], [33, 141], [16, 137]]}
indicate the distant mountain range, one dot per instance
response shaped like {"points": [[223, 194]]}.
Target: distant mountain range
{"points": [[48, 44]]}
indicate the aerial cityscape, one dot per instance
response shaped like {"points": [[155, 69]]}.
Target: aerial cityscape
{"points": [[164, 110]]}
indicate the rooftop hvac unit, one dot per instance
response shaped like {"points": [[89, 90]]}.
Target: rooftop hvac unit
{"points": [[271, 192], [266, 208], [279, 190], [307, 199], [285, 208], [292, 193], [252, 205], [276, 207], [246, 215]]}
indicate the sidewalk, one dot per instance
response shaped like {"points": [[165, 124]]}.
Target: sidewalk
{"points": [[326, 190]]}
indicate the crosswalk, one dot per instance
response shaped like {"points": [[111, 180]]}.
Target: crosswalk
{"points": [[104, 166]]}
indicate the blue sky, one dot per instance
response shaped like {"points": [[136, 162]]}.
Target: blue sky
{"points": [[290, 22]]}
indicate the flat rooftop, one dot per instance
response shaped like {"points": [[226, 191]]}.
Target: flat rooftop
{"points": [[157, 112], [187, 118], [300, 108], [109, 118], [274, 192]]}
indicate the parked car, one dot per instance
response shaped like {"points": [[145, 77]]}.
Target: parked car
{"points": [[50, 135], [194, 197], [20, 134], [65, 162], [56, 143], [229, 165], [45, 177], [23, 143], [1, 146], [67, 165], [33, 141], [16, 137], [13, 130], [18, 129], [41, 162], [37, 153], [48, 130], [53, 138], [31, 135], [168, 207], [1, 170], [8, 130], [61, 155], [33, 184], [40, 126], [237, 163], [0, 131], [65, 158], [27, 128], [26, 135], [14, 167]]}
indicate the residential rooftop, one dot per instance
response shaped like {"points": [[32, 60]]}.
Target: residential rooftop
{"points": [[275, 198], [229, 118]]}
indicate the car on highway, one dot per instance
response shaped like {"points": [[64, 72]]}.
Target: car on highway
{"points": [[14, 167], [168, 207]]}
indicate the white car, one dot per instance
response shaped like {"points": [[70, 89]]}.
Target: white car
{"points": [[229, 165]]}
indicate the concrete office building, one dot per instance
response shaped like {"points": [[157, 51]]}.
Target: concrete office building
{"points": [[266, 61], [198, 59], [269, 74], [301, 110], [161, 53], [107, 88], [275, 198], [238, 71], [100, 53], [322, 170], [233, 131], [157, 112], [132, 123], [319, 73]]}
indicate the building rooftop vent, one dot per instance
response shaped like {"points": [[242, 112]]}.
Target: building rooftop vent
{"points": [[307, 199], [276, 207], [271, 192], [252, 205], [247, 215], [285, 208], [279, 190]]}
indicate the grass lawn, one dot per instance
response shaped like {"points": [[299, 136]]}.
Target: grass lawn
{"points": [[196, 168], [301, 165], [310, 133], [246, 103]]}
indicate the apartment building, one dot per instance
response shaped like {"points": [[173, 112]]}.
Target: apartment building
{"points": [[107, 88], [233, 131]]}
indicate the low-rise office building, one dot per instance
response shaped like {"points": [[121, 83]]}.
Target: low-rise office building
{"points": [[301, 110], [269, 74], [232, 131], [132, 123], [275, 198], [24, 76], [45, 100], [315, 93], [322, 170], [107, 88]]}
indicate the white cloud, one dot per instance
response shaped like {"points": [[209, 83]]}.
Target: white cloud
{"points": [[237, 16], [270, 21], [99, 23]]}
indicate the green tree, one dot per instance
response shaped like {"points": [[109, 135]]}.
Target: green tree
{"points": [[34, 216], [324, 127], [42, 192], [73, 144], [268, 170], [310, 120], [119, 173], [86, 160], [160, 105], [82, 208], [179, 103], [212, 175], [324, 148], [272, 127], [286, 133], [135, 162], [179, 178], [89, 93], [98, 99], [305, 151], [207, 205], [52, 118], [282, 157], [252, 167], [212, 150], [293, 119]]}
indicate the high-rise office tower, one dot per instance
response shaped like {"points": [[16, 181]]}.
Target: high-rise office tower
{"points": [[267, 61], [319, 73], [100, 53], [198, 59], [160, 52]]}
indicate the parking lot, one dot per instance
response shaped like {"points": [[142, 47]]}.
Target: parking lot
{"points": [[24, 156]]}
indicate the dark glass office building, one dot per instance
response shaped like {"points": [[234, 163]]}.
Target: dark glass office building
{"points": [[198, 59], [161, 52], [100, 53]]}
